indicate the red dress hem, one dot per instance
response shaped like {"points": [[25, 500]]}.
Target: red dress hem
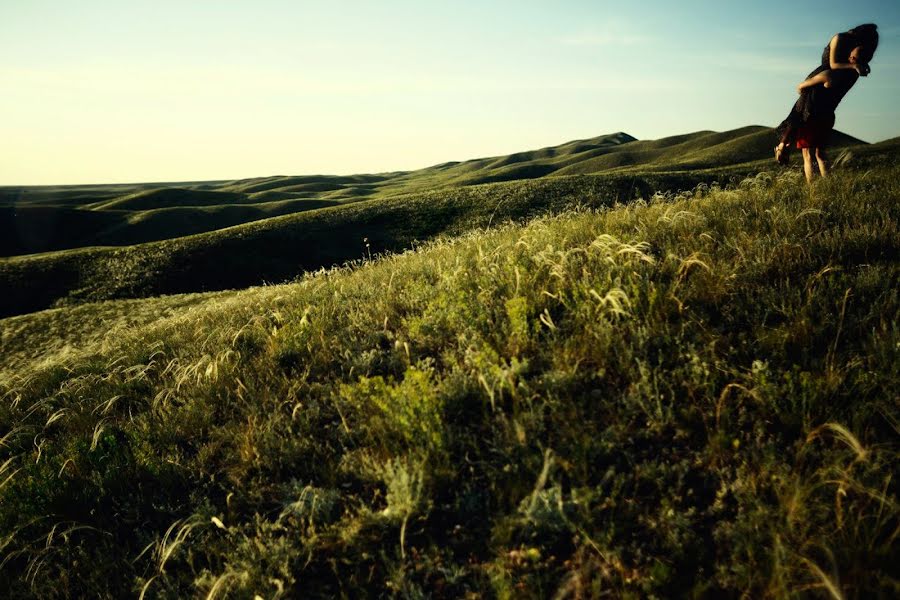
{"points": [[815, 133]]}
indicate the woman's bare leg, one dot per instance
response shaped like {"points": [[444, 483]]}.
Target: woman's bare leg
{"points": [[822, 159], [808, 164]]}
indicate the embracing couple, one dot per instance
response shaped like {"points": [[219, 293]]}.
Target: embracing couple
{"points": [[811, 120]]}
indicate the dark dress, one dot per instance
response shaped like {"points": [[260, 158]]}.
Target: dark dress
{"points": [[818, 103]]}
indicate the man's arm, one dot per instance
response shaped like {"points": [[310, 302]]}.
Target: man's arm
{"points": [[832, 55]]}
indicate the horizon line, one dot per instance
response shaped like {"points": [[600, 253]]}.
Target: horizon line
{"points": [[8, 186]]}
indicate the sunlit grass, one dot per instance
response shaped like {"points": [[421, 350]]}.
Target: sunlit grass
{"points": [[693, 394]]}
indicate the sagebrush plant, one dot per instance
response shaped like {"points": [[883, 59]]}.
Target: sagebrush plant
{"points": [[693, 395]]}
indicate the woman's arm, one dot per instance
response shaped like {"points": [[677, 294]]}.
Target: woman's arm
{"points": [[824, 78], [832, 55]]}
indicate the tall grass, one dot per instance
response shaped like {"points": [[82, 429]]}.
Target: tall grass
{"points": [[690, 395]]}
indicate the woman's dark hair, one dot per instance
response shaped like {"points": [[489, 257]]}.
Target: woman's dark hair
{"points": [[867, 37]]}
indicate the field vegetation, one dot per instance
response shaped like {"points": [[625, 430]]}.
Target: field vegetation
{"points": [[549, 389], [42, 219], [203, 247]]}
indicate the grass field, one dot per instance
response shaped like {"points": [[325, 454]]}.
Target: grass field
{"points": [[203, 247], [550, 389]]}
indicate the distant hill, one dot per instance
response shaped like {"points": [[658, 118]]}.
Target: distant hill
{"points": [[277, 249], [169, 198], [206, 236], [42, 219], [702, 149]]}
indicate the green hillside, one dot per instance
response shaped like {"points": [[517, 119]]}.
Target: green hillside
{"points": [[278, 249], [203, 248], [692, 395], [169, 198]]}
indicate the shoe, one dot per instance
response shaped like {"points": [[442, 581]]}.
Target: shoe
{"points": [[782, 154]]}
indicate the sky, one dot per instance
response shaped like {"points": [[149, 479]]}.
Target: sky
{"points": [[118, 91]]}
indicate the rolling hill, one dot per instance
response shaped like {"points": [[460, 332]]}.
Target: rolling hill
{"points": [[34, 220], [202, 246]]}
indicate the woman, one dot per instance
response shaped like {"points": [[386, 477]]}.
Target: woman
{"points": [[811, 119]]}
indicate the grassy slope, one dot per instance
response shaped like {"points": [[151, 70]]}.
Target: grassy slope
{"points": [[278, 249], [169, 198], [34, 220], [692, 397], [58, 335]]}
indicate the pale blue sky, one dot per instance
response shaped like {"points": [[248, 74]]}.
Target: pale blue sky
{"points": [[101, 91]]}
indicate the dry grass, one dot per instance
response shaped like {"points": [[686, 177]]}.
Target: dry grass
{"points": [[672, 397]]}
